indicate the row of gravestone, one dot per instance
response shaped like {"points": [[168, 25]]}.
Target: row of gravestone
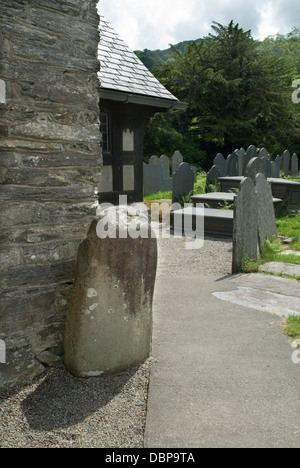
{"points": [[237, 162], [158, 175]]}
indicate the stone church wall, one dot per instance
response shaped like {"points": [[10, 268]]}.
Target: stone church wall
{"points": [[50, 162]]}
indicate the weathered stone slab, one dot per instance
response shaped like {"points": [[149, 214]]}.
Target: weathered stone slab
{"points": [[267, 228], [183, 182], [284, 286], [261, 300], [281, 268], [245, 225], [109, 320]]}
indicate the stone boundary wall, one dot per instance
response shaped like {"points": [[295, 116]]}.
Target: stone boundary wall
{"points": [[50, 162]]}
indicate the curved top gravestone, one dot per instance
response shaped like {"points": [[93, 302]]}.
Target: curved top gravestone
{"points": [[177, 159], [154, 161], [213, 175], [221, 163], [263, 153], [254, 167], [233, 165], [266, 214], [183, 182], [250, 154], [165, 165]]}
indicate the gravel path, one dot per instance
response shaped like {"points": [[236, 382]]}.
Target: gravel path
{"points": [[60, 411]]}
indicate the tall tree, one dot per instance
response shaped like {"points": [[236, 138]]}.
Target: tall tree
{"points": [[238, 94]]}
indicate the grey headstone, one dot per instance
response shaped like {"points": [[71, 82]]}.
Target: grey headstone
{"points": [[183, 182], [153, 179], [266, 214], [263, 153], [241, 162], [177, 159], [295, 165], [245, 225], [154, 161], [286, 158], [275, 171], [250, 154], [165, 165], [232, 165], [213, 175], [220, 162], [254, 167], [278, 161], [267, 164]]}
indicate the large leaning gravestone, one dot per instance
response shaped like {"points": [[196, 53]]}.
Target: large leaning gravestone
{"points": [[245, 225], [267, 228], [109, 319]]}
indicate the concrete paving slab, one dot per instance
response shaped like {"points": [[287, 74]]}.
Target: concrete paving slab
{"points": [[276, 284], [259, 299], [281, 268], [224, 375]]}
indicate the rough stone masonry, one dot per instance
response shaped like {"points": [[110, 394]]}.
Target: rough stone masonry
{"points": [[50, 161]]}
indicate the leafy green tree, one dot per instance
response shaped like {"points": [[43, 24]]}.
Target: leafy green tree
{"points": [[237, 93]]}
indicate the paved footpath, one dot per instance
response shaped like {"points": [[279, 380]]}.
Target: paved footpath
{"points": [[224, 375]]}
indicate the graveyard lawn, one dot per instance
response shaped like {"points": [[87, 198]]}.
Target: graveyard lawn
{"points": [[289, 227]]}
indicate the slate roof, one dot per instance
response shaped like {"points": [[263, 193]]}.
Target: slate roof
{"points": [[122, 71]]}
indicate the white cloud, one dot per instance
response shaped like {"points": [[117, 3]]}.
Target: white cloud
{"points": [[154, 24]]}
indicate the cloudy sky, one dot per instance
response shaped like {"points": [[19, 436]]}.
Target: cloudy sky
{"points": [[154, 24]]}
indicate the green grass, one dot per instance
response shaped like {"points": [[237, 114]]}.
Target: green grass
{"points": [[292, 327], [272, 253], [289, 226], [158, 196]]}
